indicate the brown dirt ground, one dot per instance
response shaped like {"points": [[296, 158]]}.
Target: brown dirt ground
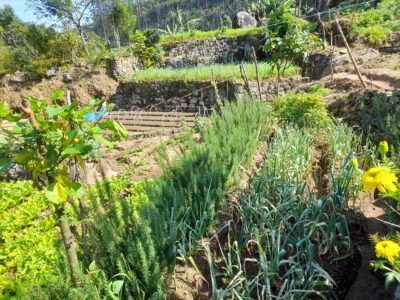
{"points": [[368, 285], [136, 158], [86, 85]]}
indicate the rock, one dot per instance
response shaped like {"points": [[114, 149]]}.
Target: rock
{"points": [[51, 72], [319, 64], [20, 77], [263, 22], [67, 78], [122, 66], [244, 20], [16, 172]]}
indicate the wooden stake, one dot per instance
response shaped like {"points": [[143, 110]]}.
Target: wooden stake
{"points": [[68, 97], [350, 54], [245, 79], [257, 74]]}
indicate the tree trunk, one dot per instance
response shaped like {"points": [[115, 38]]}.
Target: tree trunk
{"points": [[70, 247], [278, 81], [83, 39]]}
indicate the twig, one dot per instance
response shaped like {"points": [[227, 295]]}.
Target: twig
{"points": [[387, 223]]}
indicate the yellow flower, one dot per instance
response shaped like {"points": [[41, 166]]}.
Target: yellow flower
{"points": [[379, 178], [388, 250], [383, 148], [354, 163]]}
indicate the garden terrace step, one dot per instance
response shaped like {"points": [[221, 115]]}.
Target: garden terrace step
{"points": [[153, 113], [134, 128], [122, 118], [154, 123]]}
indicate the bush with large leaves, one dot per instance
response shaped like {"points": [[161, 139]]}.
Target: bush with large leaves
{"points": [[54, 138]]}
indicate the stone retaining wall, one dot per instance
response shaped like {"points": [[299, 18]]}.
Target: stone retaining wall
{"points": [[194, 96], [211, 51]]}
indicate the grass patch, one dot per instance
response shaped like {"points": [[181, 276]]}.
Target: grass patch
{"points": [[203, 73], [202, 35]]}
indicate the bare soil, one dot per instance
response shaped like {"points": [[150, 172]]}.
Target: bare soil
{"points": [[135, 158], [368, 285], [86, 85]]}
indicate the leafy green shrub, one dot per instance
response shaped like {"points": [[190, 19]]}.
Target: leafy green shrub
{"points": [[227, 21], [303, 109], [153, 36], [147, 55], [7, 63], [41, 65], [385, 124], [374, 35], [66, 47], [375, 25]]}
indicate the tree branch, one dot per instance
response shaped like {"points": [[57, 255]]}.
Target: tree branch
{"points": [[32, 119]]}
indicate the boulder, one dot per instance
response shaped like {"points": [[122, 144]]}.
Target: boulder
{"points": [[67, 78], [319, 64], [21, 77], [51, 73], [244, 20]]}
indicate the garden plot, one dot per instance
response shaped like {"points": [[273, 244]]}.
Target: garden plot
{"points": [[259, 204]]}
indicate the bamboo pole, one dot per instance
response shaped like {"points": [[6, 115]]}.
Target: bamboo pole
{"points": [[350, 54]]}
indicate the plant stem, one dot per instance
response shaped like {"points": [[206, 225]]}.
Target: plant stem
{"points": [[70, 247]]}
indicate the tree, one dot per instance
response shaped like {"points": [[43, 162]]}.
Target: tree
{"points": [[288, 39], [7, 16], [124, 19], [75, 12], [55, 138]]}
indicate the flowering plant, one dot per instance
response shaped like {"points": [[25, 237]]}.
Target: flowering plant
{"points": [[383, 178]]}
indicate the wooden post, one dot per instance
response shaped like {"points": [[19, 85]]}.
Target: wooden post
{"points": [[257, 74], [350, 54], [245, 79], [68, 97]]}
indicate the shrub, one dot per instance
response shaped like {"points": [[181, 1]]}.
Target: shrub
{"points": [[374, 35], [153, 36], [374, 25], [227, 21], [41, 65], [66, 47], [147, 55], [7, 63], [385, 123], [303, 109]]}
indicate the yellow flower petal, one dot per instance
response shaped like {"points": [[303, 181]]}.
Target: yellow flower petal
{"points": [[388, 250]]}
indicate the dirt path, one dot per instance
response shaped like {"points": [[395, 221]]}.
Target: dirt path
{"points": [[367, 285], [382, 79]]}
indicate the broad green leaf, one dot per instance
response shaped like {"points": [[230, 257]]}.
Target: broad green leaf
{"points": [[102, 140], [34, 104], [55, 111], [14, 117], [22, 156], [71, 151], [117, 128], [115, 288], [4, 109], [57, 94], [57, 193], [77, 189], [5, 163]]}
